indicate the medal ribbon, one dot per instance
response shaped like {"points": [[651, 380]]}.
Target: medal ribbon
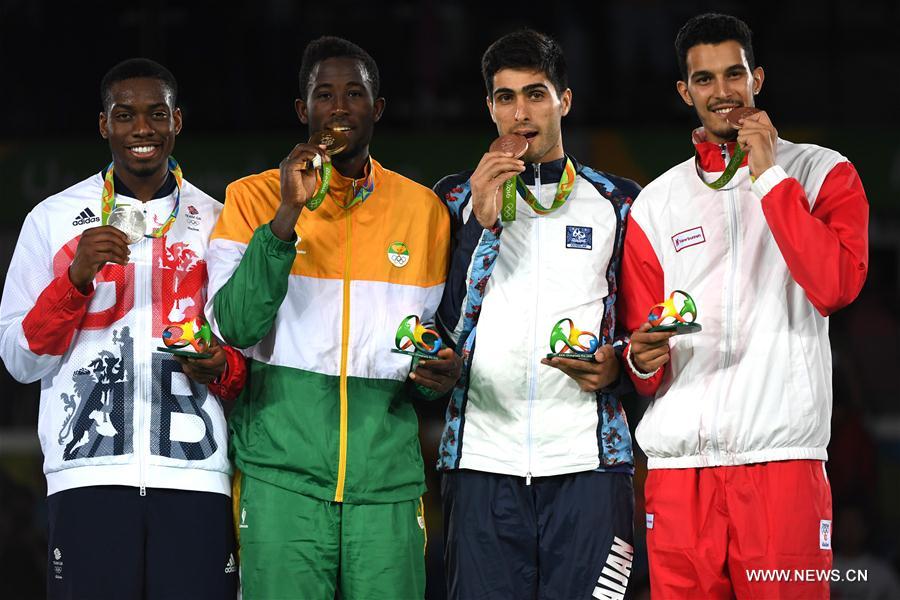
{"points": [[108, 198], [360, 194], [514, 184], [733, 165]]}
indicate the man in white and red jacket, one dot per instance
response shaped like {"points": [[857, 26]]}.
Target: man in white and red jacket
{"points": [[737, 428], [135, 452]]}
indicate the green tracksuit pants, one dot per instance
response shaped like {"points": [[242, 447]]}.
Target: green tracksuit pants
{"points": [[295, 547]]}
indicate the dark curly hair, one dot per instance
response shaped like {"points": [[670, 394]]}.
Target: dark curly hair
{"points": [[712, 28], [135, 68], [334, 47], [525, 49]]}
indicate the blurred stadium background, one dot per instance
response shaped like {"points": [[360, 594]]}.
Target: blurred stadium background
{"points": [[831, 79]]}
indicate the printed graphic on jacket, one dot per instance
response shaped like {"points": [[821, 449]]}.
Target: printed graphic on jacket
{"points": [[98, 411], [178, 279]]}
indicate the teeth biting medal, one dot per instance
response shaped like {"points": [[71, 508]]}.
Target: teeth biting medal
{"points": [[733, 117], [518, 145], [335, 141]]}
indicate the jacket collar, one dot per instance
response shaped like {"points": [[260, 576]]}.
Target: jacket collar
{"points": [[340, 185], [551, 172], [712, 156], [165, 190]]}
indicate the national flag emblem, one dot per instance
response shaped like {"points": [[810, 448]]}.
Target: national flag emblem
{"points": [[398, 254]]}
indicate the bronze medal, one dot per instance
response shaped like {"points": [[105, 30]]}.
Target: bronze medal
{"points": [[513, 143], [736, 114]]}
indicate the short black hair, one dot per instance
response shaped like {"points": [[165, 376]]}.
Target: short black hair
{"points": [[525, 49], [334, 47], [712, 28], [134, 68]]}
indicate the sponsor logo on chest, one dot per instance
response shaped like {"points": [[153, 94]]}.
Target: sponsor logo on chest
{"points": [[85, 217], [688, 238]]}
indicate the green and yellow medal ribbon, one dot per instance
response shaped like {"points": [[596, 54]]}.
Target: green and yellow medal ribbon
{"points": [[515, 184], [728, 174], [359, 194], [108, 198]]}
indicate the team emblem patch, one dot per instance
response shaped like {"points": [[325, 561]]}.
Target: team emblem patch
{"points": [[579, 237], [824, 535], [398, 254], [688, 238]]}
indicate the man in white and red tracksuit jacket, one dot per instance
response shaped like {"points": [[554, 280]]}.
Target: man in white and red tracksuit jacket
{"points": [[737, 428], [135, 452]]}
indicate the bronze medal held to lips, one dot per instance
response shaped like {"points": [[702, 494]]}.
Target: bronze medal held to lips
{"points": [[736, 114], [513, 143]]}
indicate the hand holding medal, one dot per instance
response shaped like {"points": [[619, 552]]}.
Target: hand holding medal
{"points": [[96, 247], [299, 173], [300, 170], [498, 168], [756, 137]]}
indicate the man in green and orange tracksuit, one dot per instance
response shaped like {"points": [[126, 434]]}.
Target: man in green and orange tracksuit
{"points": [[325, 434]]}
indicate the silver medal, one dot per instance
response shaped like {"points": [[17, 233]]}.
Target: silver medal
{"points": [[130, 221]]}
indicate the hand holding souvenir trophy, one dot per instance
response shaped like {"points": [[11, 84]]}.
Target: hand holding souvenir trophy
{"points": [[414, 340], [191, 339], [567, 341], [678, 313]]}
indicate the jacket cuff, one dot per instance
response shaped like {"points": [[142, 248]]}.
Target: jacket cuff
{"points": [[272, 243], [645, 384], [474, 232], [230, 383], [768, 180], [622, 385]]}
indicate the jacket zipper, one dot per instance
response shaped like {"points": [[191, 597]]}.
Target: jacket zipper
{"points": [[142, 394], [536, 263], [345, 335], [728, 333]]}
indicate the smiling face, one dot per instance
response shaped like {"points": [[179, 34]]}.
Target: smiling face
{"points": [[719, 79], [141, 123], [340, 97], [526, 102]]}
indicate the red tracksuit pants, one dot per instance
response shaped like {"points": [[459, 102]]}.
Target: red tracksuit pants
{"points": [[749, 531]]}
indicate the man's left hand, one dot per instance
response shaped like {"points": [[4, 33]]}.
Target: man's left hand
{"points": [[757, 136], [204, 370], [438, 374], [591, 376]]}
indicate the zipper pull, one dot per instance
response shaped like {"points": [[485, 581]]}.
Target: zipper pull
{"points": [[528, 478], [143, 491]]}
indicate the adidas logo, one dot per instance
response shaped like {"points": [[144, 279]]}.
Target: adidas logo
{"points": [[85, 217], [57, 554], [231, 565]]}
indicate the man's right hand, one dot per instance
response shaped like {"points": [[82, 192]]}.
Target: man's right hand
{"points": [[487, 180], [298, 185], [649, 351], [97, 246]]}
